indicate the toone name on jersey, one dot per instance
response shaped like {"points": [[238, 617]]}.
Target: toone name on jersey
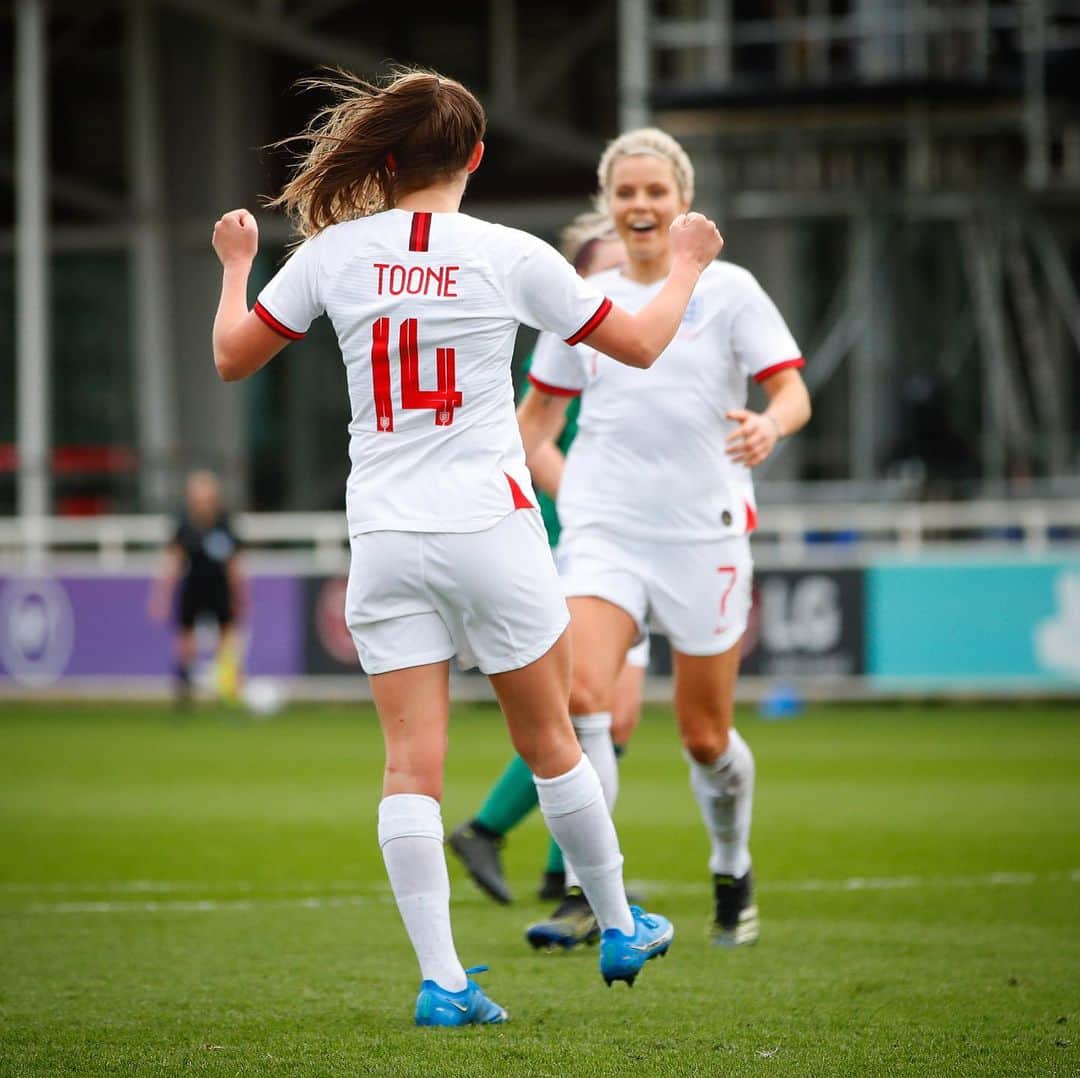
{"points": [[396, 280]]}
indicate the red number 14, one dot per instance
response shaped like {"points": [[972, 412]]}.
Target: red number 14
{"points": [[442, 400]]}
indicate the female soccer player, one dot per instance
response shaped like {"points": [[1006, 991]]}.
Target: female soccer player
{"points": [[657, 505], [591, 245], [448, 553]]}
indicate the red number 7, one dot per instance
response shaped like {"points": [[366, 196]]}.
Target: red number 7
{"points": [[727, 591], [442, 400]]}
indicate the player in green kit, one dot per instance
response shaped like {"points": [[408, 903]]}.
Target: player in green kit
{"points": [[591, 245]]}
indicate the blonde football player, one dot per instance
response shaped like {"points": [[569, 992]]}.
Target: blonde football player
{"points": [[657, 507]]}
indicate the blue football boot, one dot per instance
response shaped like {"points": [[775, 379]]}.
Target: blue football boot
{"points": [[622, 956], [435, 1006]]}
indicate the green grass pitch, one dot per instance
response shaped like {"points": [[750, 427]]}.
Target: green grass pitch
{"points": [[205, 896]]}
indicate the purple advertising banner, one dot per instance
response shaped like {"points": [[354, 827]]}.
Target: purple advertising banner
{"points": [[89, 625]]}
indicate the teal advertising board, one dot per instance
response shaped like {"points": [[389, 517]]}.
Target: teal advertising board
{"points": [[974, 623]]}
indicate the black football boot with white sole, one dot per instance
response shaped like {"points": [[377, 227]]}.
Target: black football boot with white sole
{"points": [[735, 922]]}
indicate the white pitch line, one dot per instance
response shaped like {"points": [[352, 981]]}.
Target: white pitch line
{"points": [[117, 887], [380, 894], [201, 905], [874, 883]]}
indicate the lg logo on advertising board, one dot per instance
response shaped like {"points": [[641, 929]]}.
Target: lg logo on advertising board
{"points": [[805, 624], [801, 615], [37, 629]]}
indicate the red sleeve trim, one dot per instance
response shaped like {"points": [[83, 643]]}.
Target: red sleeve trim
{"points": [[597, 318], [555, 391], [275, 325], [768, 372]]}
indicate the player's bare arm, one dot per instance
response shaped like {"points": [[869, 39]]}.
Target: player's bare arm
{"points": [[758, 432], [638, 339], [546, 466], [242, 342], [541, 417]]}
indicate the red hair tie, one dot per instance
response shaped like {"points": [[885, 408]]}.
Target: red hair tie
{"points": [[391, 162]]}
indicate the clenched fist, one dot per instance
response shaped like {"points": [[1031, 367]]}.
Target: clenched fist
{"points": [[236, 238], [696, 238]]}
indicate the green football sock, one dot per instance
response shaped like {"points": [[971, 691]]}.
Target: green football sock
{"points": [[555, 862], [512, 798]]}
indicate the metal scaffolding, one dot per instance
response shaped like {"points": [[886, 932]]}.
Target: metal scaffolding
{"points": [[31, 261], [161, 226], [846, 124], [878, 118]]}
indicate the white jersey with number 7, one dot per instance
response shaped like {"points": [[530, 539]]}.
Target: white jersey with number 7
{"points": [[426, 307]]}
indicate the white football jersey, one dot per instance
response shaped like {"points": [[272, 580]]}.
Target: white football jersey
{"points": [[649, 459], [426, 307]]}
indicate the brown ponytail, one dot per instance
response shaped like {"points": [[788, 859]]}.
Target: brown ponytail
{"points": [[376, 143]]}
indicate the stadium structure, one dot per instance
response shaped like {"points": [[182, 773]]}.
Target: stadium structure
{"points": [[903, 176]]}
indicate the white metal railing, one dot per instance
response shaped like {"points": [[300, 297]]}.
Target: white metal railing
{"points": [[786, 533]]}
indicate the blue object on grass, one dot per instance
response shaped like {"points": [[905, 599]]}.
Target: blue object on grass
{"points": [[782, 701]]}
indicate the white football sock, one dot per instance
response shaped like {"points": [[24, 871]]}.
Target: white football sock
{"points": [[579, 821], [725, 792], [594, 733], [411, 837]]}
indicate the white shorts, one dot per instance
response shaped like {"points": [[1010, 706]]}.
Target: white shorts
{"points": [[697, 594], [492, 597], [640, 654]]}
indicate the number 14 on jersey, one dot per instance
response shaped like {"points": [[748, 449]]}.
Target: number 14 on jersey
{"points": [[442, 400]]}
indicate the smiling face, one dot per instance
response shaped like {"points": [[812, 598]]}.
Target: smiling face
{"points": [[644, 198]]}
